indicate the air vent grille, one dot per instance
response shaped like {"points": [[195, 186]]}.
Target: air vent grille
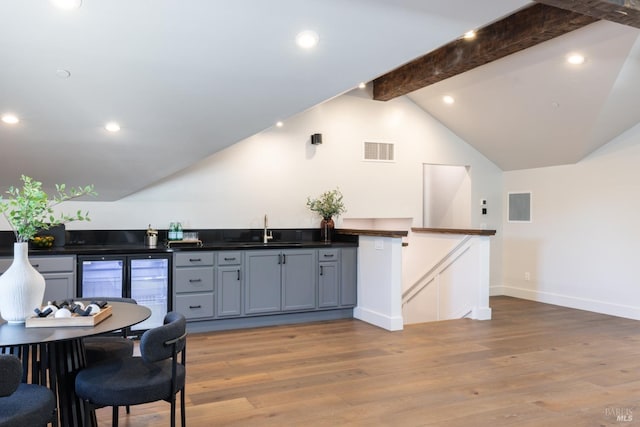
{"points": [[379, 151]]}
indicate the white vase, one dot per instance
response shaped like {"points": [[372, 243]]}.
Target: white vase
{"points": [[21, 287]]}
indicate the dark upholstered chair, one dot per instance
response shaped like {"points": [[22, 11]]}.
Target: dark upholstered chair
{"points": [[105, 347], [159, 374], [22, 404]]}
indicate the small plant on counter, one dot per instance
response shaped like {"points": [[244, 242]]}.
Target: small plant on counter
{"points": [[329, 204], [29, 210]]}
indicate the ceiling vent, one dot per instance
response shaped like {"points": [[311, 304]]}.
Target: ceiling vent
{"points": [[379, 151]]}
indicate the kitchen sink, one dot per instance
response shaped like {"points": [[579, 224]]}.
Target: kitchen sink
{"points": [[271, 244], [282, 244]]}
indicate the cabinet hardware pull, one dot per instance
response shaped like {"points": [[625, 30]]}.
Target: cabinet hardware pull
{"points": [[279, 258], [195, 306], [238, 274], [195, 280], [328, 255], [230, 259], [284, 259], [195, 259], [321, 270], [35, 265]]}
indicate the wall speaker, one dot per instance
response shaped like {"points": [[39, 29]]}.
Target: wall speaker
{"points": [[316, 138]]}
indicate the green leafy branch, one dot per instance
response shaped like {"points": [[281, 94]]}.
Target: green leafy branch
{"points": [[329, 204], [29, 210]]}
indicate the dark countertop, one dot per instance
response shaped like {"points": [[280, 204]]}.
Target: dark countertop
{"points": [[126, 249], [470, 232], [130, 242], [375, 233]]}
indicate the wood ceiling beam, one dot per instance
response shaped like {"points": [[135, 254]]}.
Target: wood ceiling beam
{"points": [[625, 12], [521, 30]]}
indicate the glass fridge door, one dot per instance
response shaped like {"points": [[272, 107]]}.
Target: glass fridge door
{"points": [[102, 278], [150, 287]]}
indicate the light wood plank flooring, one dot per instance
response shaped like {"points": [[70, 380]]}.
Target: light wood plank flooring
{"points": [[532, 365]]}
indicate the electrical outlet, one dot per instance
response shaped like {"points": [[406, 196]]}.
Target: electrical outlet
{"points": [[527, 276]]}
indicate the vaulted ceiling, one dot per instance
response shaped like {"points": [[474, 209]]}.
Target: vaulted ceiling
{"points": [[186, 78], [517, 100]]}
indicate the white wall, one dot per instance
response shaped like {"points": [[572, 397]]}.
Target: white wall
{"points": [[581, 249], [447, 196], [380, 282], [275, 171]]}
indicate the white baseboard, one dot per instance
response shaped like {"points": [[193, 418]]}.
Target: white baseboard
{"points": [[378, 319], [595, 306], [496, 290], [481, 313]]}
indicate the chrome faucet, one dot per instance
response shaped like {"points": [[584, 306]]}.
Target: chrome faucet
{"points": [[267, 235]]}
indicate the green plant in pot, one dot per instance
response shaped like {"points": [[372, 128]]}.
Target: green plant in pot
{"points": [[327, 205], [29, 210]]}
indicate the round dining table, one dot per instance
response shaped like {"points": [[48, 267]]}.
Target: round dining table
{"points": [[53, 355]]}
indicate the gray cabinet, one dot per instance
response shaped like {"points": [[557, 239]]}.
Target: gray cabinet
{"points": [[229, 284], [246, 283], [280, 280], [59, 274], [193, 284], [348, 277], [298, 280], [328, 277], [262, 281]]}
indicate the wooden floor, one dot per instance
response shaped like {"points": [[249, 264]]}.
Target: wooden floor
{"points": [[532, 365]]}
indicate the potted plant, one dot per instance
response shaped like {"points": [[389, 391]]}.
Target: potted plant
{"points": [[29, 210], [327, 205]]}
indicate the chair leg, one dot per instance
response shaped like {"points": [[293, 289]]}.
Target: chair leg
{"points": [[114, 417], [87, 411], [183, 415], [173, 411]]}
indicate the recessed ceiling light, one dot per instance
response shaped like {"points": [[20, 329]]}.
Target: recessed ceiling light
{"points": [[362, 85], [575, 59], [112, 127], [448, 99], [10, 119], [279, 124], [469, 35], [307, 39], [67, 4]]}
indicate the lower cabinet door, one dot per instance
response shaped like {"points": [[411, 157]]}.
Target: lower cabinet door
{"points": [[328, 285], [59, 286], [196, 305], [229, 291], [298, 280], [262, 282]]}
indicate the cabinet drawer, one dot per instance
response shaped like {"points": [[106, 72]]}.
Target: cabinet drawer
{"points": [[189, 259], [53, 264], [328, 255], [196, 279], [195, 306], [45, 264], [229, 258]]}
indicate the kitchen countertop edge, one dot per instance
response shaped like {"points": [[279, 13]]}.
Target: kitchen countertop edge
{"points": [[160, 249]]}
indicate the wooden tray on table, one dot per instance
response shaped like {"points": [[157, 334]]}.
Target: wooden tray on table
{"points": [[74, 320]]}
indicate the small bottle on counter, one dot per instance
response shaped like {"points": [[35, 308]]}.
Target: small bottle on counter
{"points": [[179, 233], [172, 231]]}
